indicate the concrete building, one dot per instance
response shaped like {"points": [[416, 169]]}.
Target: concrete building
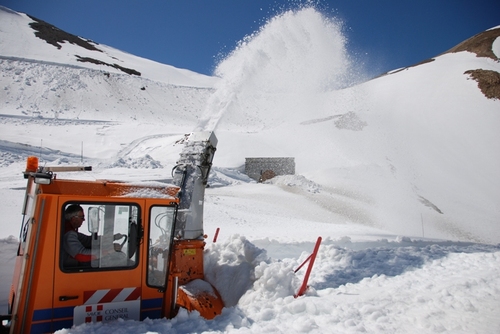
{"points": [[261, 169]]}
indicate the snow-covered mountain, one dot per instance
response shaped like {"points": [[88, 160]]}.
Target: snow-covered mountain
{"points": [[25, 37], [419, 144], [414, 152], [49, 73]]}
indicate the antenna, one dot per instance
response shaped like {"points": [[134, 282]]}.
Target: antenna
{"points": [[81, 159], [422, 219]]}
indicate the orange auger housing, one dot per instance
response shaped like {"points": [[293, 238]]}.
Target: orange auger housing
{"points": [[145, 240]]}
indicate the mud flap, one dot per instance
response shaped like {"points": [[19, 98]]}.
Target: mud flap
{"points": [[201, 296]]}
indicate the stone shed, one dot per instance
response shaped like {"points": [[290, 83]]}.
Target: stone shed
{"points": [[261, 169]]}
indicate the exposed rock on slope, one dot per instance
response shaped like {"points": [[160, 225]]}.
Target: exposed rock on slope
{"points": [[488, 82], [54, 35], [480, 44]]}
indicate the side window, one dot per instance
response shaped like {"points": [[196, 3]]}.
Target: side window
{"points": [[99, 236], [161, 226]]}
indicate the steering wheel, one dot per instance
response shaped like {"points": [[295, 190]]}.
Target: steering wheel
{"points": [[124, 240]]}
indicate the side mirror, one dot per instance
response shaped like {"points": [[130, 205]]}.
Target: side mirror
{"points": [[93, 220]]}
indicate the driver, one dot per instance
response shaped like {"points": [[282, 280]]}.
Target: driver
{"points": [[77, 247]]}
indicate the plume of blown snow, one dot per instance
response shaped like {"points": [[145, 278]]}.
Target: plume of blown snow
{"points": [[299, 53]]}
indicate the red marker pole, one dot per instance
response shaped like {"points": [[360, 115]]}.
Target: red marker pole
{"points": [[311, 259], [216, 234]]}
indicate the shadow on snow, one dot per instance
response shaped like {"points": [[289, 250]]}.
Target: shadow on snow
{"points": [[353, 262]]}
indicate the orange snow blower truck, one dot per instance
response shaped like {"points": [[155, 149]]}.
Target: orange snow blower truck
{"points": [[144, 251]]}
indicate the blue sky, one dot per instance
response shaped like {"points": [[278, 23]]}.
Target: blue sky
{"points": [[193, 34]]}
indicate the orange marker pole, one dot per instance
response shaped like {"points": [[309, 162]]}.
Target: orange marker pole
{"points": [[311, 259]]}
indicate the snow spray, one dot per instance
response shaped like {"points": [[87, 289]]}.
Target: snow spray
{"points": [[293, 57]]}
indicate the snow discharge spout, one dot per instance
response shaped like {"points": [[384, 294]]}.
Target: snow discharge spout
{"points": [[294, 56]]}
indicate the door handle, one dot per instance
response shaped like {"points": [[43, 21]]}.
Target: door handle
{"points": [[65, 298]]}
